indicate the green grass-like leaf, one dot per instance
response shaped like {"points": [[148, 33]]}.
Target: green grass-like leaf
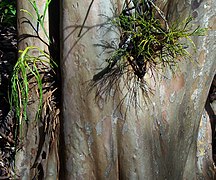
{"points": [[40, 18], [25, 70]]}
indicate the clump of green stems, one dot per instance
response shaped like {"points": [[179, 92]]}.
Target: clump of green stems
{"points": [[39, 18], [147, 43], [30, 68], [27, 67]]}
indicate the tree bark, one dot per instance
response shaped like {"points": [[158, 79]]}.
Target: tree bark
{"points": [[157, 142]]}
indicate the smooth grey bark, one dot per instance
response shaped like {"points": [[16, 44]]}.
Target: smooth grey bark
{"points": [[160, 141]]}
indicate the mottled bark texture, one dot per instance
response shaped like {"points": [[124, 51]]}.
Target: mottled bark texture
{"points": [[37, 152], [160, 141]]}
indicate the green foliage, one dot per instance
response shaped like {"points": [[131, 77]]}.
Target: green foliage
{"points": [[28, 69], [8, 12], [147, 43]]}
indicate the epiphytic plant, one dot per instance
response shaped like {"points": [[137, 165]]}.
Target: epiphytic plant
{"points": [[147, 43]]}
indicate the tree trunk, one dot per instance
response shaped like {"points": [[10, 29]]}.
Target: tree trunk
{"points": [[157, 142], [37, 155]]}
